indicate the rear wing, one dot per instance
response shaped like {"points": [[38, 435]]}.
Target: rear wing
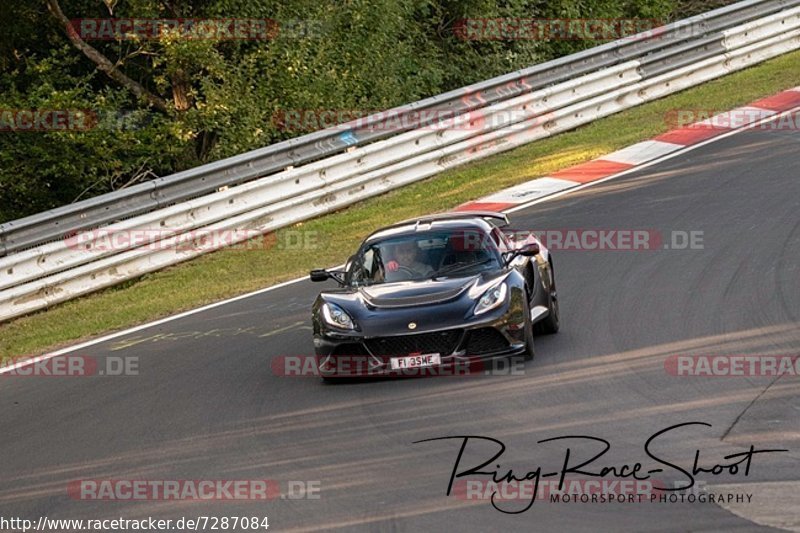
{"points": [[499, 220]]}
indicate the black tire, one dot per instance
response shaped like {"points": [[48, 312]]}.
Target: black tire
{"points": [[552, 322], [530, 349]]}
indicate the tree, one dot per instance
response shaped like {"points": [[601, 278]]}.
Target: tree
{"points": [[169, 101]]}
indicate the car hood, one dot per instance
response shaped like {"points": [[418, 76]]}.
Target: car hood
{"points": [[415, 293], [409, 293]]}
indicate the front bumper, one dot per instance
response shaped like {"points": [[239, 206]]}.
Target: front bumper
{"points": [[465, 350]]}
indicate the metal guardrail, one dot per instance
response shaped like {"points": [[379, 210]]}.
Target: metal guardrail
{"points": [[60, 270], [675, 46]]}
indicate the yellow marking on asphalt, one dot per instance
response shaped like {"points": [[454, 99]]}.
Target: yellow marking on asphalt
{"points": [[286, 328], [121, 345], [195, 335]]}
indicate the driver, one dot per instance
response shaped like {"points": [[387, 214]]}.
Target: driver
{"points": [[405, 259]]}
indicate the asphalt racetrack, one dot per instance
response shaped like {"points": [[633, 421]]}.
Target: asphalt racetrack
{"points": [[208, 402]]}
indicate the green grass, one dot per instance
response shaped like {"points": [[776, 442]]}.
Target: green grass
{"points": [[229, 272]]}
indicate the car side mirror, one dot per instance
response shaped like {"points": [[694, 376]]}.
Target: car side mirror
{"points": [[529, 250], [322, 275], [319, 275]]}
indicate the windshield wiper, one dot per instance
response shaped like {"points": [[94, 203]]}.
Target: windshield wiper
{"points": [[455, 267]]}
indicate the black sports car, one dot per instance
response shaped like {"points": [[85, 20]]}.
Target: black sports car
{"points": [[434, 293]]}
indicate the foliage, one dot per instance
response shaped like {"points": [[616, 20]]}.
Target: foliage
{"points": [[222, 96]]}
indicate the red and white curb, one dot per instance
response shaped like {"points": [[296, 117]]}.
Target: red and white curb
{"points": [[637, 154]]}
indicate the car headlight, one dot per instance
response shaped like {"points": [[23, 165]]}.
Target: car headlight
{"points": [[336, 316], [492, 298]]}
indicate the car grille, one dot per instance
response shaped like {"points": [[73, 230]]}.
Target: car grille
{"points": [[442, 342], [485, 340], [350, 349]]}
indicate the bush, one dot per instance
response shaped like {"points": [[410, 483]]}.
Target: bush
{"points": [[221, 96]]}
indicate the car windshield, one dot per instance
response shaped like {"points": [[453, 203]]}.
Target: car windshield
{"points": [[424, 255]]}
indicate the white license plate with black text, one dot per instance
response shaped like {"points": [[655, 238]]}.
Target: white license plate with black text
{"points": [[416, 361]]}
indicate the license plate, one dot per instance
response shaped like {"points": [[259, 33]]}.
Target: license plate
{"points": [[416, 361]]}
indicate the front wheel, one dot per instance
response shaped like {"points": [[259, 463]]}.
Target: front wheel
{"points": [[551, 323], [530, 351]]}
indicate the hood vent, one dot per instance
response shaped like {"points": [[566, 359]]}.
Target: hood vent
{"points": [[388, 301]]}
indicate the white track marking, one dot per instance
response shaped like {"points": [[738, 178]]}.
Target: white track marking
{"points": [[529, 190], [666, 157], [642, 152]]}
